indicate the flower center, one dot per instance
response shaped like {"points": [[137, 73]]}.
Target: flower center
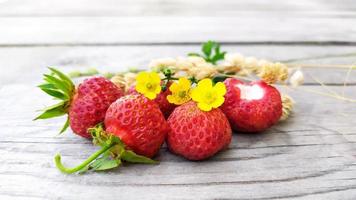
{"points": [[210, 97], [182, 94], [149, 85]]}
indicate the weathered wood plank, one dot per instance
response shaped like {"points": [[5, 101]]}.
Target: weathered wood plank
{"points": [[34, 60], [310, 156], [177, 8], [116, 30]]}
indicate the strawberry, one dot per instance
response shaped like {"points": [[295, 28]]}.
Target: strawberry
{"points": [[135, 131], [251, 107], [138, 122], [85, 106], [161, 99], [196, 134]]}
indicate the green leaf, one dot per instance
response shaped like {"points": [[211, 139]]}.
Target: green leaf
{"points": [[90, 166], [63, 77], [47, 86], [88, 72], [102, 163], [55, 93], [211, 51], [53, 111], [84, 169], [108, 75], [217, 48], [58, 83], [107, 164], [194, 54], [75, 74], [50, 114], [219, 78], [116, 140], [131, 156], [66, 125], [98, 134], [207, 47], [217, 57]]}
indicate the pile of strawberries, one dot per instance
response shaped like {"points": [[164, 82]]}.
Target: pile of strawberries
{"points": [[130, 127]]}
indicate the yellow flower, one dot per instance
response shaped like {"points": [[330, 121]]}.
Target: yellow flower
{"points": [[148, 84], [208, 96], [180, 92]]}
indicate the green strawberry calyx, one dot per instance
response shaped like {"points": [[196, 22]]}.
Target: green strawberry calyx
{"points": [[61, 87], [111, 154]]}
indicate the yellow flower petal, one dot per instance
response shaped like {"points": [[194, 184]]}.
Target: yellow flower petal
{"points": [[220, 89], [171, 99], [218, 102], [183, 100], [158, 89], [204, 106], [148, 84], [184, 83], [142, 77], [205, 83], [155, 77], [180, 91], [174, 87], [141, 88], [150, 95], [196, 95], [208, 96]]}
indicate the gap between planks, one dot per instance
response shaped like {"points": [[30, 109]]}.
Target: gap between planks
{"points": [[198, 43]]}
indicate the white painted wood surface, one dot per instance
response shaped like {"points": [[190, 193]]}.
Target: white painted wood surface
{"points": [[311, 156], [103, 30]]}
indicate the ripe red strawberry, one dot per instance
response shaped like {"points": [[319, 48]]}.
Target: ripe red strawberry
{"points": [[85, 106], [196, 134], [135, 128], [251, 107], [161, 99], [138, 122]]}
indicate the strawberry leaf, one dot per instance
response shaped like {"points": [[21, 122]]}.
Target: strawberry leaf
{"points": [[107, 164], [65, 126], [60, 85], [47, 86], [55, 93], [53, 111], [102, 163], [110, 156], [63, 77], [131, 156]]}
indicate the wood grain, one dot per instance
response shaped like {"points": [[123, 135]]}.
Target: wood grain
{"points": [[116, 30], [311, 155], [243, 8]]}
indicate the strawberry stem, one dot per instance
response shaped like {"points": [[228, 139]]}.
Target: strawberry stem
{"points": [[62, 168]]}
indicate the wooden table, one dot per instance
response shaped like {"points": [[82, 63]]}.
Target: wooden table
{"points": [[311, 156]]}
